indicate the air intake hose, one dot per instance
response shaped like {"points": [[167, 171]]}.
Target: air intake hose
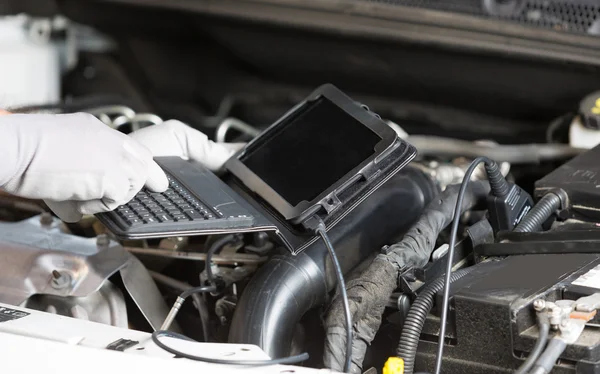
{"points": [[287, 286]]}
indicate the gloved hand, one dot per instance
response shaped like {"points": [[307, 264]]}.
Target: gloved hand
{"points": [[74, 162], [174, 138]]}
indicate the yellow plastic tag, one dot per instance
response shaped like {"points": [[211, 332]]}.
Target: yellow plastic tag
{"points": [[394, 365]]}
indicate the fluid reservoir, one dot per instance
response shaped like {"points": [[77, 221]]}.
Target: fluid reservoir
{"points": [[30, 63], [584, 131]]}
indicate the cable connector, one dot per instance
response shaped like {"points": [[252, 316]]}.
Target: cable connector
{"points": [[507, 202], [314, 224], [172, 313]]}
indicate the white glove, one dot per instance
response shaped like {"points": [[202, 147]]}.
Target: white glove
{"points": [[174, 138], [74, 162]]}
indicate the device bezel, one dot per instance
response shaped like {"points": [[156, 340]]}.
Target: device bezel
{"points": [[328, 199]]}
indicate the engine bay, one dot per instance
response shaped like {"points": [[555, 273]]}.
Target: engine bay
{"points": [[524, 130]]}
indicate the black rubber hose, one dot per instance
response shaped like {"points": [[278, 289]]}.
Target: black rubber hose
{"points": [[547, 360], [287, 286], [415, 319], [538, 348], [541, 211]]}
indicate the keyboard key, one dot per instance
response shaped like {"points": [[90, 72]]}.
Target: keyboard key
{"points": [[185, 206], [146, 215], [129, 215], [210, 216], [150, 220], [124, 212], [134, 221], [193, 214], [167, 205], [140, 210], [180, 217], [165, 218]]}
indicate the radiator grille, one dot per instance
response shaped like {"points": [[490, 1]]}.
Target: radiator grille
{"points": [[581, 17]]}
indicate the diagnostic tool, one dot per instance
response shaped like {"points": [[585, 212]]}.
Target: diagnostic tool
{"points": [[323, 157]]}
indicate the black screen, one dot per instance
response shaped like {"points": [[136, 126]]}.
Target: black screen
{"points": [[311, 152]]}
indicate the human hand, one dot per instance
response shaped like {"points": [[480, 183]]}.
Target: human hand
{"points": [[174, 138], [74, 162]]}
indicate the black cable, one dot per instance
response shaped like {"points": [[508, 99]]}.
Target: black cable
{"points": [[450, 256], [202, 289], [217, 245], [538, 348], [199, 301], [546, 361], [277, 361], [343, 293]]}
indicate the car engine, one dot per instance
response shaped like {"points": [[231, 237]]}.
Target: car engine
{"points": [[525, 284]]}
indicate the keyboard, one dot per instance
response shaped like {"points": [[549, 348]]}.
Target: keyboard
{"points": [[197, 202], [175, 205]]}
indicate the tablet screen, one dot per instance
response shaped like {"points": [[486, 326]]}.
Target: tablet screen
{"points": [[311, 152]]}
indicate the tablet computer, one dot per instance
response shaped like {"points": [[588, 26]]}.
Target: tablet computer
{"points": [[307, 160]]}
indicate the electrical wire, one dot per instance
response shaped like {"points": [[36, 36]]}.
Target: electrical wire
{"points": [[344, 294], [217, 245], [199, 301], [156, 335], [538, 348], [450, 256], [204, 289]]}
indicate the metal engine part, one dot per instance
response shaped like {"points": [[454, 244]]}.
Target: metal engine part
{"points": [[46, 268], [38, 257], [107, 306]]}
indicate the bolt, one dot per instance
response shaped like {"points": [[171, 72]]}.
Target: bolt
{"points": [[46, 219], [223, 320], [539, 305], [102, 240], [60, 279]]}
